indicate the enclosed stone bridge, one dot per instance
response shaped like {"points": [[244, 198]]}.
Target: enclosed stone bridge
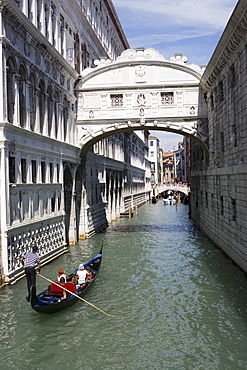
{"points": [[141, 90], [181, 188]]}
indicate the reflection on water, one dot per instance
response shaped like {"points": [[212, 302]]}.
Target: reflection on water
{"points": [[183, 300]]}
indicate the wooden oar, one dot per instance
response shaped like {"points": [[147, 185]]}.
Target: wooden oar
{"points": [[82, 299]]}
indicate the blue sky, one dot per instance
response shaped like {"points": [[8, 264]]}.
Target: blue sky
{"points": [[190, 27]]}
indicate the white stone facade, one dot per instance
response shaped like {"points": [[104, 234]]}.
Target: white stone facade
{"points": [[154, 158], [140, 90], [116, 179], [45, 45], [219, 182]]}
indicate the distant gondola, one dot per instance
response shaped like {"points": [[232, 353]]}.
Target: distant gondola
{"points": [[169, 201], [49, 301]]}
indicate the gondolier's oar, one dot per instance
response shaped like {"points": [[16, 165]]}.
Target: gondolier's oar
{"points": [[82, 299]]}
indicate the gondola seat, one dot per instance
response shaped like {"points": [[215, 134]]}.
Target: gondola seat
{"points": [[58, 292]]}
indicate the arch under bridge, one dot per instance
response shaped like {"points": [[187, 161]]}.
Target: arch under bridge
{"points": [[141, 90], [182, 188]]}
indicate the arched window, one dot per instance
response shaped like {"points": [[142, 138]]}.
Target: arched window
{"points": [[39, 6], [41, 105], [10, 90], [55, 110], [32, 98], [65, 117], [49, 109], [22, 96]]}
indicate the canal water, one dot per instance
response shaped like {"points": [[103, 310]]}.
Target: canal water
{"points": [[182, 304]]}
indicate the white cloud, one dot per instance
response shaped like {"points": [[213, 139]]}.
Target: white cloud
{"points": [[154, 39], [207, 14]]}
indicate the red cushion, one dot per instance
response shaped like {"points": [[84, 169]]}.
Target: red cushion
{"points": [[70, 286], [58, 290]]}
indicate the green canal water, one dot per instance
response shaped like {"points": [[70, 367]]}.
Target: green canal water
{"points": [[182, 304]]}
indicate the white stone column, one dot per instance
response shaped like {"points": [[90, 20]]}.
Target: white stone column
{"points": [[3, 76], [179, 102], [42, 18], [72, 223], [45, 124], [27, 103], [60, 122], [16, 117], [114, 199], [64, 42], [89, 10], [57, 35], [25, 7], [53, 107], [39, 170], [154, 102], [37, 118], [122, 197], [18, 167], [55, 118], [5, 208], [109, 205], [83, 223], [49, 24], [29, 169], [118, 200], [34, 12]]}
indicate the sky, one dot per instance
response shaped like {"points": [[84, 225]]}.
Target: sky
{"points": [[190, 27]]}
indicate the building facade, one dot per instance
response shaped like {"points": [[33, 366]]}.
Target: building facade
{"points": [[47, 188], [168, 167], [154, 158], [219, 177], [117, 179]]}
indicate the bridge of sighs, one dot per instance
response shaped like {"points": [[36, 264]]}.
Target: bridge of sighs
{"points": [[141, 90]]}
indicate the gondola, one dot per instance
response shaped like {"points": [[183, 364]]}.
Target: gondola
{"points": [[49, 301]]}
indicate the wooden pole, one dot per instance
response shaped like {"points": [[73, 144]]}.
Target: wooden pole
{"points": [[74, 294]]}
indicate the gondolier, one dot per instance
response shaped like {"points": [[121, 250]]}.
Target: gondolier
{"points": [[29, 261], [49, 301]]}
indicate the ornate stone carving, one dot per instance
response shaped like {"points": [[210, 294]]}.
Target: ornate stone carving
{"points": [[27, 49], [192, 110], [141, 100], [37, 57], [140, 73], [141, 112]]}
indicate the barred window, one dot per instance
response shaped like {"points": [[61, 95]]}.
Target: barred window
{"points": [[117, 100], [34, 171], [221, 206], [12, 178], [23, 170], [43, 172], [167, 98], [233, 210], [51, 172]]}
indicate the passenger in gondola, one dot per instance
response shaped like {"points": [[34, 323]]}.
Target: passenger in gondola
{"points": [[89, 276], [60, 274], [62, 281], [81, 274], [74, 280]]}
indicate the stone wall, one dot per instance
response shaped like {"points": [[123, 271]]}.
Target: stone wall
{"points": [[219, 177]]}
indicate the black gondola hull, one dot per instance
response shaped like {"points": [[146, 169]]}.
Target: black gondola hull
{"points": [[46, 303]]}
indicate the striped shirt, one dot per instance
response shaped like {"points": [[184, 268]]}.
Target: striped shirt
{"points": [[31, 259]]}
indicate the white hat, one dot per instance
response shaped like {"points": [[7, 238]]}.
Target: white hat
{"points": [[81, 266]]}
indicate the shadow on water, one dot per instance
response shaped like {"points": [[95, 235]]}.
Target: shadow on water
{"points": [[147, 228]]}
